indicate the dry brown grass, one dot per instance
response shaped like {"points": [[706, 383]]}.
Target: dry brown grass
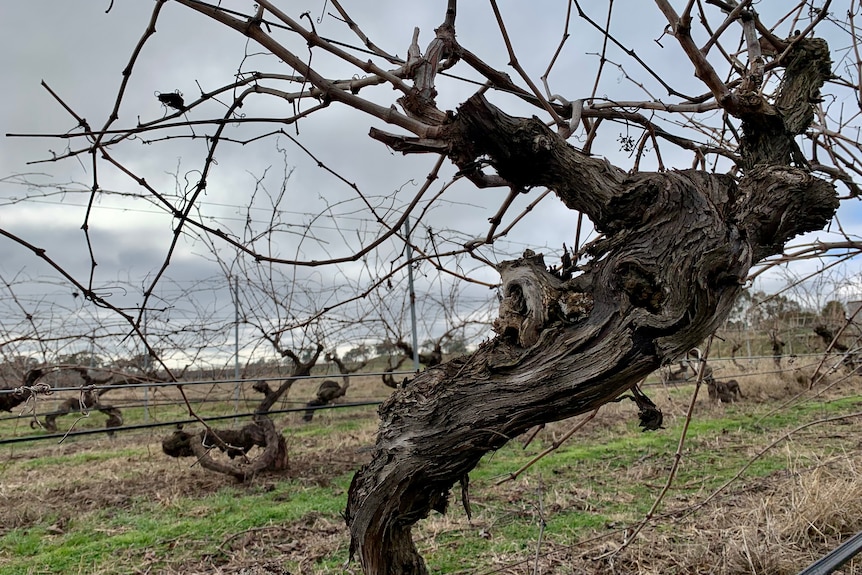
{"points": [[774, 527], [771, 526]]}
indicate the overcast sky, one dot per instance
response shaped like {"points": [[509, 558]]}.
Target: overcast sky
{"points": [[80, 52]]}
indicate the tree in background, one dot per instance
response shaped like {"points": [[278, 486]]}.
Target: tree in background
{"points": [[834, 311], [766, 311]]}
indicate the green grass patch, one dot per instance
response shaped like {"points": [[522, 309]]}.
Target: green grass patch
{"points": [[146, 526], [83, 458]]}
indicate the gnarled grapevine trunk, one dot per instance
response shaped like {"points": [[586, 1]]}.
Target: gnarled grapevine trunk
{"points": [[236, 443], [677, 248]]}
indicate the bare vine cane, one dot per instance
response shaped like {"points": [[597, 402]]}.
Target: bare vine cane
{"points": [[84, 404], [631, 533], [553, 447]]}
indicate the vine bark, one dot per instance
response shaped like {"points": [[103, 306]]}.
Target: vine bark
{"points": [[675, 252]]}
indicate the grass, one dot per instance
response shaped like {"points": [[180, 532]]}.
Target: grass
{"points": [[117, 506], [141, 525], [79, 458]]}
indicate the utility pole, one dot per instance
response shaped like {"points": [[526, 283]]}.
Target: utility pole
{"points": [[146, 368], [412, 293], [236, 346]]}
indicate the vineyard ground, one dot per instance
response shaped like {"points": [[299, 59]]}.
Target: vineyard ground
{"points": [[119, 505]]}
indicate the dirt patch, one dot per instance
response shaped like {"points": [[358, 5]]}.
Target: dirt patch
{"points": [[37, 493], [268, 550], [319, 469]]}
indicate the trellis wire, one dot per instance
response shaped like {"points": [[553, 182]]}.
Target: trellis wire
{"points": [[98, 387], [177, 422]]}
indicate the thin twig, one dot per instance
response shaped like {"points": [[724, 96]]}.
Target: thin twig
{"points": [[513, 61], [763, 451], [542, 525], [555, 445], [677, 458]]}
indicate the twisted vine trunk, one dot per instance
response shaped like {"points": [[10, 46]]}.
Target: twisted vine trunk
{"points": [[236, 443], [677, 248]]}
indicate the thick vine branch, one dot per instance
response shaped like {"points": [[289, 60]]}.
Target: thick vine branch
{"points": [[677, 249]]}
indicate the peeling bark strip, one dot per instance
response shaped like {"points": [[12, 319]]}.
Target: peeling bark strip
{"points": [[676, 250]]}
